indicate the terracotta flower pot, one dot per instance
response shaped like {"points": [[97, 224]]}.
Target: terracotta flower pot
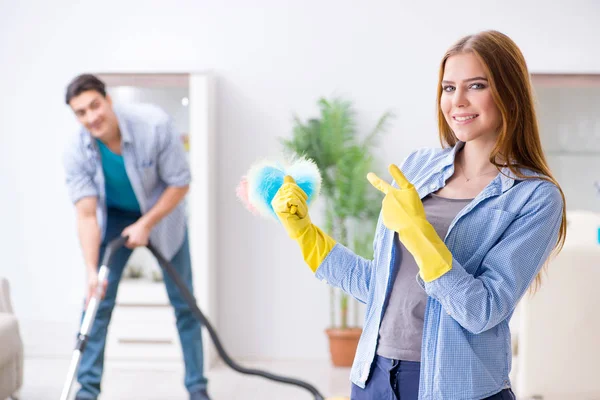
{"points": [[342, 345]]}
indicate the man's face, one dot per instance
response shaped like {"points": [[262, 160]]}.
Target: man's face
{"points": [[95, 113]]}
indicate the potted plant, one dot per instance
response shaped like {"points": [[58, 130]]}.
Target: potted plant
{"points": [[351, 205]]}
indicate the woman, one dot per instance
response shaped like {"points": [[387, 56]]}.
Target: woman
{"points": [[474, 221]]}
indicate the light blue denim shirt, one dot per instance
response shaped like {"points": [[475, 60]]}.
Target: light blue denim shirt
{"points": [[154, 159], [499, 242]]}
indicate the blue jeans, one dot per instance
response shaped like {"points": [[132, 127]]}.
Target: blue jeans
{"points": [[90, 370], [399, 380]]}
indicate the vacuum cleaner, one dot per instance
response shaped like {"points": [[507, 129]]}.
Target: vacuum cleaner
{"points": [[94, 302], [256, 190]]}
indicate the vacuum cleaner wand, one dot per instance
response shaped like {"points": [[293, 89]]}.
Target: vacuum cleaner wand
{"points": [[90, 314]]}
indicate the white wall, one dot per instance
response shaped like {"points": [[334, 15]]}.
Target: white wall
{"points": [[271, 59]]}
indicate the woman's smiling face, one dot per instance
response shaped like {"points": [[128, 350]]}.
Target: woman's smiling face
{"points": [[467, 102]]}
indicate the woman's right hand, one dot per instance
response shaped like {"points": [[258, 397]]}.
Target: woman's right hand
{"points": [[290, 207]]}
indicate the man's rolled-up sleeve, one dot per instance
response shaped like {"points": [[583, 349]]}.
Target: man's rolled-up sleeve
{"points": [[79, 180]]}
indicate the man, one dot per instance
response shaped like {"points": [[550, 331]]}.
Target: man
{"points": [[127, 175]]}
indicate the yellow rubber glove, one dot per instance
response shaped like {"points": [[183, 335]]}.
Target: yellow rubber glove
{"points": [[403, 212], [290, 207]]}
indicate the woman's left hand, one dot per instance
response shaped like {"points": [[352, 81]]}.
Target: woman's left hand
{"points": [[400, 205], [403, 212]]}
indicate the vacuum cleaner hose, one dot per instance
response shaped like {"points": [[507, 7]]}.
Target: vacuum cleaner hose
{"points": [[191, 301]]}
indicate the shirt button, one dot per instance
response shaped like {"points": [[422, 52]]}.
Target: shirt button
{"points": [[432, 186], [324, 281]]}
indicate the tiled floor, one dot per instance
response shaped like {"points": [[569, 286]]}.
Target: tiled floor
{"points": [[44, 380]]}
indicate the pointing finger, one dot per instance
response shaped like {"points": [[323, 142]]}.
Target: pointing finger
{"points": [[378, 183], [399, 177]]}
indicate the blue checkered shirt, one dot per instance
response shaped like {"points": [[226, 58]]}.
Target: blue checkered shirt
{"points": [[499, 242], [154, 159]]}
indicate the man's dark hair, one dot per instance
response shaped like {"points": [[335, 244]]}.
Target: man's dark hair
{"points": [[83, 83]]}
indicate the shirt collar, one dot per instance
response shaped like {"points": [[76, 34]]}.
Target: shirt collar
{"points": [[506, 179], [126, 136]]}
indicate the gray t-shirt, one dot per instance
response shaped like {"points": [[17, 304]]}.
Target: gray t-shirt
{"points": [[401, 329]]}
